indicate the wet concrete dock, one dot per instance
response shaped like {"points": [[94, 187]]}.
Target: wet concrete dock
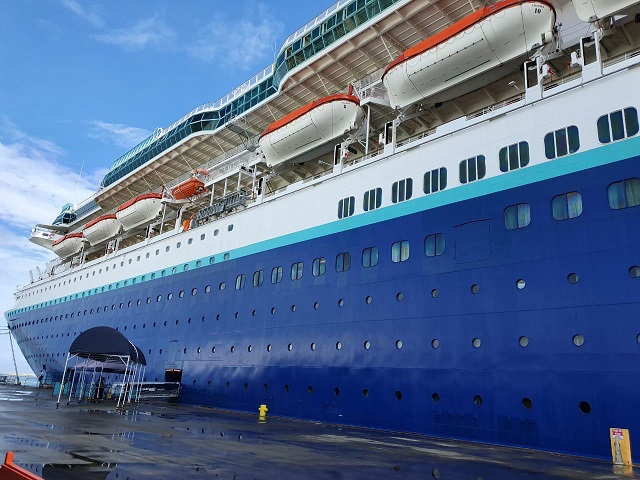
{"points": [[96, 441]]}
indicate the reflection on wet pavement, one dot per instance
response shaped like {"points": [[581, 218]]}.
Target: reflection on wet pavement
{"points": [[96, 441]]}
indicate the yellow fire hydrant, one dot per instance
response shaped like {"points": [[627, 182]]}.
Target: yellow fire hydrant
{"points": [[262, 411]]}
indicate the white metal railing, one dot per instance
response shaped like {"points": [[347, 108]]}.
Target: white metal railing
{"points": [[621, 58], [556, 83], [495, 106], [313, 23]]}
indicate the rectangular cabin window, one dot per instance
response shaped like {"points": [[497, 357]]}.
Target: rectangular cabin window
{"points": [[517, 216], [624, 194], [372, 199], [346, 207], [473, 169], [566, 206], [434, 244], [343, 262], [276, 275], [514, 156], [435, 180], [319, 267], [258, 278], [561, 142], [402, 190], [618, 125]]}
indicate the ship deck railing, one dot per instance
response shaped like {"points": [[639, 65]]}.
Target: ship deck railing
{"points": [[621, 58], [561, 81]]}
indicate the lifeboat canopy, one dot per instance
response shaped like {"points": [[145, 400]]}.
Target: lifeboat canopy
{"points": [[309, 131], [473, 52]]}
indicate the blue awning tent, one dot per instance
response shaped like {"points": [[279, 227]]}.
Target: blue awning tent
{"points": [[101, 350]]}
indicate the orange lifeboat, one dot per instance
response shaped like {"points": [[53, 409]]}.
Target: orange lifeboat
{"points": [[139, 210], [68, 245], [102, 228], [188, 188]]}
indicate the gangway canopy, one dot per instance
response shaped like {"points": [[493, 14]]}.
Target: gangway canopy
{"points": [[104, 343], [101, 350]]}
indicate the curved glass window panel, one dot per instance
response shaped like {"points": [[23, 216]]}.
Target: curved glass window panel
{"points": [[517, 216], [319, 267], [370, 257], [400, 251], [343, 262], [258, 278], [276, 275], [624, 194]]}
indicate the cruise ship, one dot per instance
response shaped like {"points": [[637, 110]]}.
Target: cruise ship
{"points": [[421, 217]]}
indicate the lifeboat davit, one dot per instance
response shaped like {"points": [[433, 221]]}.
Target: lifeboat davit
{"points": [[139, 210], [591, 10], [309, 127], [473, 52], [188, 188], [68, 245], [102, 228]]}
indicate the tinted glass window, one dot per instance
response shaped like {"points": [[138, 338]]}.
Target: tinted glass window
{"points": [[435, 180], [472, 169], [624, 194], [400, 251], [566, 206], [276, 275], [370, 257], [343, 262], [434, 245], [319, 267], [517, 216]]}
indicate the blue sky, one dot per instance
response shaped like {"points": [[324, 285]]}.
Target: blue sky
{"points": [[82, 82]]}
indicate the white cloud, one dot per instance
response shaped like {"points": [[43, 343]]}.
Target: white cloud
{"points": [[239, 42], [35, 186], [91, 17], [118, 134], [147, 33]]}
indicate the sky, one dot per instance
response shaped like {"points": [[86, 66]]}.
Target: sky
{"points": [[82, 82]]}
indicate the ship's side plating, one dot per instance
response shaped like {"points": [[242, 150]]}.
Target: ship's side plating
{"points": [[465, 326]]}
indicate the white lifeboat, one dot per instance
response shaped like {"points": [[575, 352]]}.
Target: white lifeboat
{"points": [[101, 229], [139, 210], [471, 53], [309, 127], [592, 10], [68, 245]]}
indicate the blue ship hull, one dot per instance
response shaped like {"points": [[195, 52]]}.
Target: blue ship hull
{"points": [[481, 383]]}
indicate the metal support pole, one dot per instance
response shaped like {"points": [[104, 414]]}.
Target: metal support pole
{"points": [[366, 134], [124, 384], [64, 373]]}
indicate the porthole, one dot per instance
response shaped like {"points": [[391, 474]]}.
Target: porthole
{"points": [[476, 342], [398, 395], [338, 345], [435, 293], [181, 294], [222, 286], [365, 392], [198, 350], [399, 296], [160, 351], [336, 391], [475, 288], [578, 340], [435, 397], [585, 407], [477, 400], [290, 347], [316, 306], [367, 344], [368, 300], [286, 388], [269, 348], [169, 296], [159, 298], [185, 350], [527, 403], [310, 389], [634, 272], [194, 292], [313, 346], [213, 349], [250, 348], [226, 256], [435, 343], [523, 341], [207, 289], [340, 302], [398, 344], [293, 308], [228, 386], [233, 348], [218, 316], [254, 313], [638, 338], [237, 314], [520, 284], [573, 278], [273, 310]]}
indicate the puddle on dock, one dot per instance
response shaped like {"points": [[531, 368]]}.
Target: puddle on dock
{"points": [[167, 441]]}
